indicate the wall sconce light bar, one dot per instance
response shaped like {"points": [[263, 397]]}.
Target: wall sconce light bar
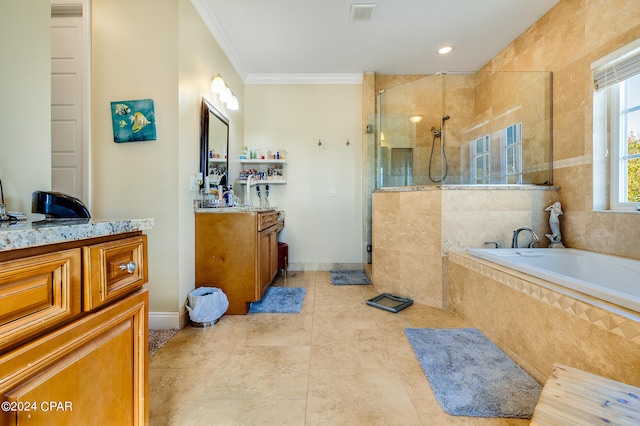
{"points": [[220, 88]]}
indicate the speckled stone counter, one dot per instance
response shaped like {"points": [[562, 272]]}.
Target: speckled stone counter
{"points": [[30, 234], [239, 209]]}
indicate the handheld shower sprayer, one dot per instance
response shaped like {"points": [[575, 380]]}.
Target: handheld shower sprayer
{"points": [[445, 163]]}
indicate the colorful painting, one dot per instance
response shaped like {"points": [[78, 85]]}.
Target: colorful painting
{"points": [[133, 121]]}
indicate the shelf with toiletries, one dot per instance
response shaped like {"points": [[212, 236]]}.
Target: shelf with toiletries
{"points": [[218, 160], [271, 171]]}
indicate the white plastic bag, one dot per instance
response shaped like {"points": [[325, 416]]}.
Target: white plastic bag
{"points": [[206, 304]]}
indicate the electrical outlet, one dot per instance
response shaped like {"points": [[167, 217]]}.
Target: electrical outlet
{"points": [[194, 182], [332, 192]]}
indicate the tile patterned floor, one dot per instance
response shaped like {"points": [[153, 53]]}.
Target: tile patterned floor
{"points": [[338, 362]]}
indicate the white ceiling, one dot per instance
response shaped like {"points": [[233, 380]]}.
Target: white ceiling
{"points": [[267, 38]]}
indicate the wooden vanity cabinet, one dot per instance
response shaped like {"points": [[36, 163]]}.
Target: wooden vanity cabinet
{"points": [[238, 253], [73, 332]]}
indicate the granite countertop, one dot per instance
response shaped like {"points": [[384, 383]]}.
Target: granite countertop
{"points": [[235, 209], [30, 234], [240, 209]]}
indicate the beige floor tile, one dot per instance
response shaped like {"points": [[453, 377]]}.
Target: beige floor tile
{"points": [[358, 396], [338, 362]]}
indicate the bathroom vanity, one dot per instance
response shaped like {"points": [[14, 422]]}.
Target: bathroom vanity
{"points": [[237, 251], [73, 322]]}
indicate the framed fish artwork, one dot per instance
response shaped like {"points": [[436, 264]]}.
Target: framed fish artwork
{"points": [[133, 121]]}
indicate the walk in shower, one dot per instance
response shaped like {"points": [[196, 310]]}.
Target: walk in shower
{"points": [[465, 129], [453, 130]]}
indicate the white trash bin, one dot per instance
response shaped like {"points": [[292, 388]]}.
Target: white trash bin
{"points": [[206, 305]]}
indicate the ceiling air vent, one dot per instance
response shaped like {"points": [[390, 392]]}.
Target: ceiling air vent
{"points": [[362, 12]]}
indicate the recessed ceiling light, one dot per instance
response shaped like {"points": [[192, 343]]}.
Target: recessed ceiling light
{"points": [[445, 49]]}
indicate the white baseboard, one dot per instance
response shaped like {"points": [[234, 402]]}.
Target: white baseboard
{"points": [[317, 266], [164, 320]]}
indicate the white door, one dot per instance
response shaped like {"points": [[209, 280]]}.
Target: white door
{"points": [[67, 132]]}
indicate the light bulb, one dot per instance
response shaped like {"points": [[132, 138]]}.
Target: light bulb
{"points": [[226, 95], [233, 103], [217, 85]]}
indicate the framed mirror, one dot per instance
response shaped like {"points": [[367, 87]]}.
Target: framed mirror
{"points": [[214, 145]]}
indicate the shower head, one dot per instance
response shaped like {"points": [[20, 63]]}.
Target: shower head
{"points": [[445, 117]]}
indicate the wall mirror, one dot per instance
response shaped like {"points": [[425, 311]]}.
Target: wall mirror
{"points": [[214, 145]]}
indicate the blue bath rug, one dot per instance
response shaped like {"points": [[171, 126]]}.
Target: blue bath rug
{"points": [[279, 300], [348, 277], [471, 376]]}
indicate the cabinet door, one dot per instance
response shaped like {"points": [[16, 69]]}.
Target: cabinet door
{"points": [[37, 293], [91, 372], [267, 257], [114, 269], [274, 253]]}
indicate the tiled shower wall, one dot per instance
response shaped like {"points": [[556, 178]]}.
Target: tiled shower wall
{"points": [[566, 41]]}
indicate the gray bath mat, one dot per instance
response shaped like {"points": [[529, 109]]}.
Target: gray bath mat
{"points": [[279, 300], [471, 376], [348, 277]]}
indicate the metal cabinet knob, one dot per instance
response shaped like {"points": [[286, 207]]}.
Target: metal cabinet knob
{"points": [[130, 267]]}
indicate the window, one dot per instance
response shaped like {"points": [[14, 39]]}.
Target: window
{"points": [[617, 128], [480, 160], [511, 142]]}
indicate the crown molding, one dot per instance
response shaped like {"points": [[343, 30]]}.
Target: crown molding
{"points": [[317, 78], [212, 23]]}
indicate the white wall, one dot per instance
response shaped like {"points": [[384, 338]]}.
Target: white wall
{"points": [[320, 230], [25, 109]]}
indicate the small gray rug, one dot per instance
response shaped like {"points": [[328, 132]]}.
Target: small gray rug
{"points": [[279, 300], [348, 277], [471, 376]]}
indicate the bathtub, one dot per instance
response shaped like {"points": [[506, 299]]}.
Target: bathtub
{"points": [[610, 278]]}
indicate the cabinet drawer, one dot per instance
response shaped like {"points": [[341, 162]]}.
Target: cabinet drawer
{"points": [[37, 293], [114, 269], [267, 219]]}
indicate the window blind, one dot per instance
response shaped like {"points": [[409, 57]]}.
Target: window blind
{"points": [[617, 71]]}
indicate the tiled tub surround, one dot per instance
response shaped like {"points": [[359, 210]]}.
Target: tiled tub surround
{"points": [[538, 323], [613, 279], [413, 229]]}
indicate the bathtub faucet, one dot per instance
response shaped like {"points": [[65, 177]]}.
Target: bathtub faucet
{"points": [[516, 234]]}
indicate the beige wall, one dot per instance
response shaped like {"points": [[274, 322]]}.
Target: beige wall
{"points": [[170, 57], [200, 58], [134, 56], [25, 110], [320, 230], [566, 41]]}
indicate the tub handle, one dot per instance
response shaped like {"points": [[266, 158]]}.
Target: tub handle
{"points": [[495, 243]]}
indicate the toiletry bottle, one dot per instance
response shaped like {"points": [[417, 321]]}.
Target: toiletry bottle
{"points": [[229, 196]]}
